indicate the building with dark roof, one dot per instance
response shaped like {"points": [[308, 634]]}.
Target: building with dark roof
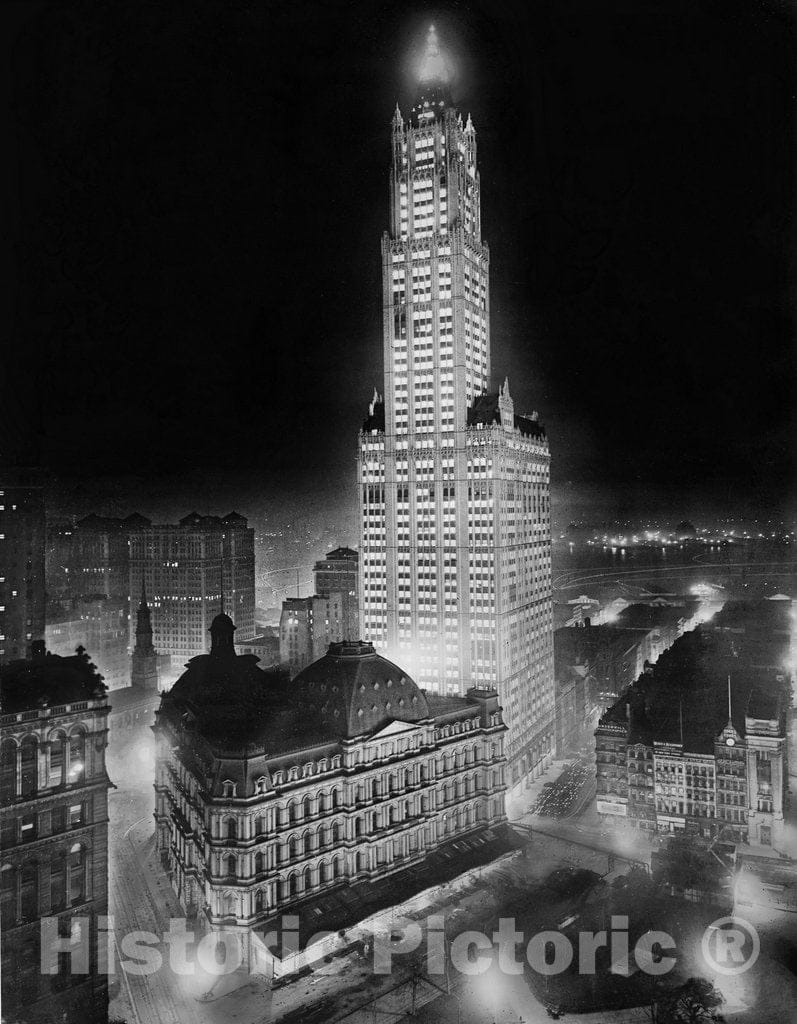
{"points": [[54, 815], [270, 792], [698, 742]]}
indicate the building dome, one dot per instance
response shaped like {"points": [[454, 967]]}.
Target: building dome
{"points": [[353, 690]]}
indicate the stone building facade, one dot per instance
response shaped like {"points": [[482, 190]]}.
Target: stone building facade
{"points": [[54, 813], [269, 792]]}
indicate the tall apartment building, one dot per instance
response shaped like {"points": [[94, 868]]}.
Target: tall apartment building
{"points": [[22, 542], [100, 556], [336, 578], [304, 631], [191, 572], [454, 485], [100, 624], [54, 815]]}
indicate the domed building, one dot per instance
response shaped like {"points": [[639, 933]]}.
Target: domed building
{"points": [[271, 791]]}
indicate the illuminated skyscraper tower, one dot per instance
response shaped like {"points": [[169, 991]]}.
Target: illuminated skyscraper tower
{"points": [[455, 496]]}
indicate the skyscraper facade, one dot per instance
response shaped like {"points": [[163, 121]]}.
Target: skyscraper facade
{"points": [[455, 566], [22, 540], [336, 578], [191, 572]]}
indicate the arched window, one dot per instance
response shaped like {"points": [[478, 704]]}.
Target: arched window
{"points": [[307, 880], [291, 812], [336, 832], [77, 757], [260, 825], [335, 798], [374, 789], [307, 843], [259, 864], [322, 803], [358, 827], [374, 822], [336, 868], [307, 807], [259, 901], [8, 771], [323, 872], [232, 829], [293, 847], [230, 864], [361, 863], [407, 778], [292, 885], [30, 766], [57, 758], [407, 811]]}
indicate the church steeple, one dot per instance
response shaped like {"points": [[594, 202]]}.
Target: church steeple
{"points": [[145, 658]]}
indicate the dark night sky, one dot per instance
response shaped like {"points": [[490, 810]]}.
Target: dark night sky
{"points": [[194, 195]]}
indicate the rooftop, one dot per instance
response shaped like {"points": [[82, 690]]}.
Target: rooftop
{"points": [[485, 411], [47, 680], [685, 697]]}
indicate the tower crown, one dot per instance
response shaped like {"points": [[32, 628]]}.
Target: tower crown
{"points": [[434, 78]]}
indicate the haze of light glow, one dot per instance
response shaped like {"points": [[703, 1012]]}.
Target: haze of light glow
{"points": [[433, 66]]}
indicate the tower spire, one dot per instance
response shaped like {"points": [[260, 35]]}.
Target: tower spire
{"points": [[144, 666]]}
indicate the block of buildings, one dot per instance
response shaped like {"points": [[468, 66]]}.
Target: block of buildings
{"points": [[54, 815], [697, 744], [270, 792], [455, 553]]}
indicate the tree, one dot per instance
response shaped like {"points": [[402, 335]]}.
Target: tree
{"points": [[694, 1002]]}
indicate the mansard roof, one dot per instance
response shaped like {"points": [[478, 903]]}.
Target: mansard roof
{"points": [[340, 554]]}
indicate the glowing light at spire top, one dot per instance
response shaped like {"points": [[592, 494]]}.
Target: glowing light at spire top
{"points": [[434, 67]]}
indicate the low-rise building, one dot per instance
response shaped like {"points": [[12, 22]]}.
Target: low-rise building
{"points": [[271, 792]]}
